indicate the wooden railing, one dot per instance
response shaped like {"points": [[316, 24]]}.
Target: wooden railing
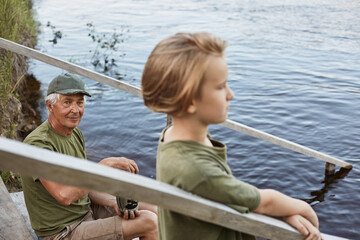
{"points": [[31, 53], [33, 161]]}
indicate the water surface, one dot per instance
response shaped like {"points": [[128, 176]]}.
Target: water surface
{"points": [[293, 66]]}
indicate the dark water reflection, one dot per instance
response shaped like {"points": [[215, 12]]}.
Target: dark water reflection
{"points": [[293, 66], [318, 196]]}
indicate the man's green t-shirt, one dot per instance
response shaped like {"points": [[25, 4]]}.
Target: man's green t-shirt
{"points": [[203, 171], [47, 216]]}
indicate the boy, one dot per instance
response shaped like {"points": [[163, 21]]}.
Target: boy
{"points": [[185, 76]]}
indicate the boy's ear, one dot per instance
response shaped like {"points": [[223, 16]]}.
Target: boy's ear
{"points": [[191, 108]]}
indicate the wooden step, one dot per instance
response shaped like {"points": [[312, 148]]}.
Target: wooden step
{"points": [[13, 226]]}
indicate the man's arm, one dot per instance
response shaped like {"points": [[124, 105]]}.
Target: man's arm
{"points": [[106, 199], [121, 163], [65, 195]]}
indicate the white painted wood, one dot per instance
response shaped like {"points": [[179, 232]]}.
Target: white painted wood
{"points": [[284, 143], [29, 52], [29, 160]]}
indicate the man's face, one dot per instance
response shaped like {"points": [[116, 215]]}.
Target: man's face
{"points": [[68, 110]]}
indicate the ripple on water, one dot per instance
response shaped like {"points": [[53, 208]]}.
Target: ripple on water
{"points": [[293, 66]]}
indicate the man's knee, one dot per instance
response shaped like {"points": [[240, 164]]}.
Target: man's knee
{"points": [[143, 226], [150, 220]]}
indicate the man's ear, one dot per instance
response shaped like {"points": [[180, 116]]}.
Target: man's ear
{"points": [[49, 106]]}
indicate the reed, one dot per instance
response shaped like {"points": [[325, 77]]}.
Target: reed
{"points": [[18, 25], [16, 19]]}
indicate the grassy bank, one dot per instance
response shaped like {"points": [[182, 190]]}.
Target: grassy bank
{"points": [[18, 25]]}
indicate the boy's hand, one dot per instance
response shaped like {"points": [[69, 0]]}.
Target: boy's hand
{"points": [[304, 227]]}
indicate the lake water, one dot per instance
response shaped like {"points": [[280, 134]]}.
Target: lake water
{"points": [[294, 67]]}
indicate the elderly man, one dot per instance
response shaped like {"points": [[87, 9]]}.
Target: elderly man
{"points": [[64, 212]]}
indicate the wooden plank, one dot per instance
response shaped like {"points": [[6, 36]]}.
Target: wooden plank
{"points": [[285, 143], [30, 160], [329, 169], [12, 225], [18, 199], [29, 52]]}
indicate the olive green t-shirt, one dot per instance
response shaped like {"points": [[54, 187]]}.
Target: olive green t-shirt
{"points": [[203, 171], [47, 216]]}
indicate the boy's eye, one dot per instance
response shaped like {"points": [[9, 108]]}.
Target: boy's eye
{"points": [[222, 86]]}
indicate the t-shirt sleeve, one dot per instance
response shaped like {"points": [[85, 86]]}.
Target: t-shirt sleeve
{"points": [[41, 143], [219, 186]]}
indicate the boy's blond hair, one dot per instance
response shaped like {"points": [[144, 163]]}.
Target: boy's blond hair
{"points": [[174, 72]]}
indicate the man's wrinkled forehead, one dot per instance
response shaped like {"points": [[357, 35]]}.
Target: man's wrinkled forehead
{"points": [[78, 96]]}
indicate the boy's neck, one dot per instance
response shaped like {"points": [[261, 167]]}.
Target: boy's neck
{"points": [[187, 129]]}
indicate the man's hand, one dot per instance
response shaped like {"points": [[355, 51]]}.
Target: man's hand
{"points": [[304, 227], [130, 214], [121, 163], [126, 214], [128, 165]]}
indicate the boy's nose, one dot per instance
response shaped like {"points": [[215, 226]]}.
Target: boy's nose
{"points": [[230, 94]]}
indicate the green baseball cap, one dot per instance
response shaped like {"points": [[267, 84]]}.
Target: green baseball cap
{"points": [[67, 84]]}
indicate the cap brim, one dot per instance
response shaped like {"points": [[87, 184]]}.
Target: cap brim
{"points": [[73, 91]]}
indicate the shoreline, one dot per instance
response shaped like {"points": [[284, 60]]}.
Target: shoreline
{"points": [[20, 92], [21, 109]]}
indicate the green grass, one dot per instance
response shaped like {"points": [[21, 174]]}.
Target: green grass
{"points": [[16, 20], [18, 25]]}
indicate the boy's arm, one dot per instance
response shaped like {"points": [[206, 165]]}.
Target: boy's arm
{"points": [[295, 212], [274, 203], [304, 227]]}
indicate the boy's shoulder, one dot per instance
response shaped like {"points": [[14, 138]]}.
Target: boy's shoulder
{"points": [[187, 163], [183, 153], [178, 165]]}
